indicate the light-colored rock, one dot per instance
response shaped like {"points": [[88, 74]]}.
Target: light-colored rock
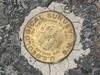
{"points": [[67, 63]]}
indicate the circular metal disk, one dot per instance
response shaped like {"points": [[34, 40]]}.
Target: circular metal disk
{"points": [[49, 37]]}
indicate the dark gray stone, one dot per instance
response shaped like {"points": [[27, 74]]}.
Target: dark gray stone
{"points": [[87, 9], [12, 15]]}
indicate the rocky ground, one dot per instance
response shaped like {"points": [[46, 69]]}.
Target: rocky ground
{"points": [[90, 36], [12, 15]]}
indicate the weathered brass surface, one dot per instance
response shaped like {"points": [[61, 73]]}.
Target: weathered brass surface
{"points": [[49, 37]]}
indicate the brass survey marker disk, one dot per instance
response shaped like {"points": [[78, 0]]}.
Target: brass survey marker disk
{"points": [[49, 37]]}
